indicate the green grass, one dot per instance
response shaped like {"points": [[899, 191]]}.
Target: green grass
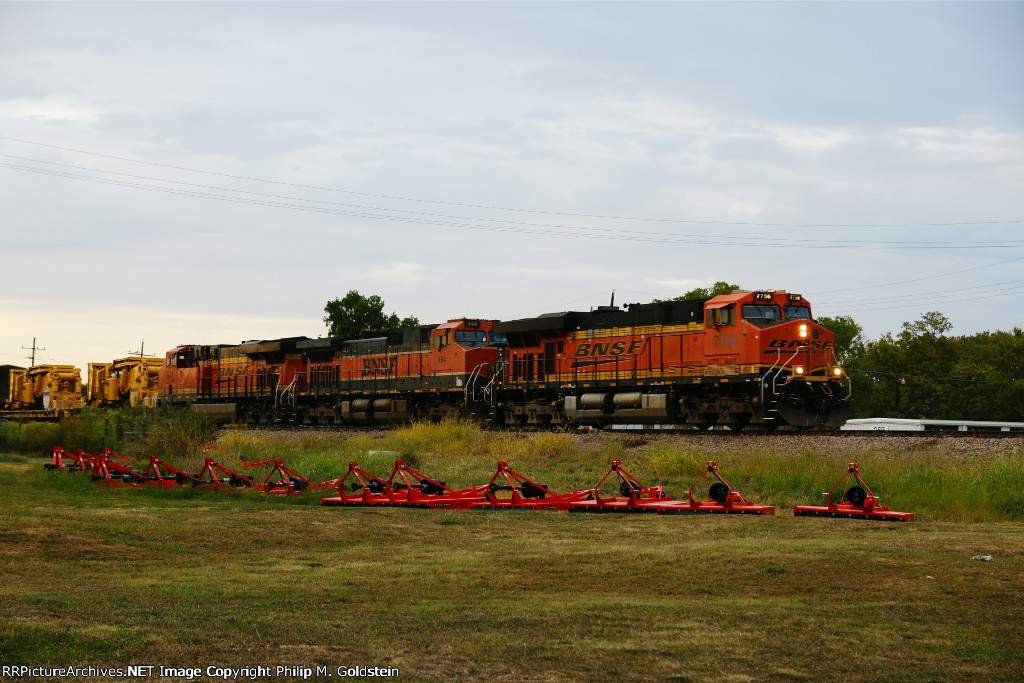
{"points": [[184, 578]]}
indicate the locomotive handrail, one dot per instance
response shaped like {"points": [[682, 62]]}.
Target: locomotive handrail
{"points": [[778, 353], [468, 395], [777, 374], [282, 393], [498, 368]]}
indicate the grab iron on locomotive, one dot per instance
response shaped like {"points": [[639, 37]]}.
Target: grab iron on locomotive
{"points": [[746, 358]]}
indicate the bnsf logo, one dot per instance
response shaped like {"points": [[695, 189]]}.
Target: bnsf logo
{"points": [[618, 348], [373, 367], [793, 343]]}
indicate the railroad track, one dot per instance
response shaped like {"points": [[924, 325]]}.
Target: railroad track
{"points": [[750, 432], [811, 433]]}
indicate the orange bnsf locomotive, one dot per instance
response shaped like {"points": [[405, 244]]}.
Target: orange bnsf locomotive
{"points": [[411, 373], [735, 359]]}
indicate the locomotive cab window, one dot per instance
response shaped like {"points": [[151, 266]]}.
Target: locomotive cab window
{"points": [[798, 313], [762, 314], [498, 338], [440, 341], [726, 315]]}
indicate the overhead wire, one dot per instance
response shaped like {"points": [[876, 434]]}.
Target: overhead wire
{"points": [[519, 210], [919, 279], [979, 289], [556, 230], [869, 306]]}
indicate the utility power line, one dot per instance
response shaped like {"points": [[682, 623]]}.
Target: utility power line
{"points": [[512, 226], [519, 210]]}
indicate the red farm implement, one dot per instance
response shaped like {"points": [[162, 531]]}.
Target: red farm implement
{"points": [[856, 502], [723, 499], [283, 480], [107, 471], [523, 493], [634, 498], [70, 462], [159, 473], [217, 476], [509, 490], [405, 487], [408, 488]]}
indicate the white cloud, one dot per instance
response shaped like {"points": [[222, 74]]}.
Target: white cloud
{"points": [[50, 110], [399, 273]]}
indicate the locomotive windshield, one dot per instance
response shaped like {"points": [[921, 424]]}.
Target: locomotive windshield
{"points": [[471, 336], [763, 314], [798, 313], [498, 338]]}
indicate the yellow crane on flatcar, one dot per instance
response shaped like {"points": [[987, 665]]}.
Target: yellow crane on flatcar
{"points": [[125, 381]]}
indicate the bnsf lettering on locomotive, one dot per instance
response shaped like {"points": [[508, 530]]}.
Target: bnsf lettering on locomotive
{"points": [[794, 343], [379, 366], [619, 348]]}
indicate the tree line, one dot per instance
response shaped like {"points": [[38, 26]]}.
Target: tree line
{"points": [[924, 373]]}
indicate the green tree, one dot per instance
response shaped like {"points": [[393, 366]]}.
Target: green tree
{"points": [[720, 287], [929, 358], [879, 379], [355, 315]]}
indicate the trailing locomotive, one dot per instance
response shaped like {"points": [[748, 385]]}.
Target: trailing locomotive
{"points": [[411, 373], [735, 359]]}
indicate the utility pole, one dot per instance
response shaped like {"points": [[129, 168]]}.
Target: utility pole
{"points": [[34, 349], [141, 351]]}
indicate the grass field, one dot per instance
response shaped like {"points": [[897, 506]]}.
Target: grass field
{"points": [[97, 576]]}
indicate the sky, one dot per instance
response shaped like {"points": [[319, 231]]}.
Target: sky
{"points": [[216, 172]]}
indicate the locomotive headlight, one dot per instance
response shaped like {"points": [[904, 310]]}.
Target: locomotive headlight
{"points": [[837, 372], [803, 331], [799, 369]]}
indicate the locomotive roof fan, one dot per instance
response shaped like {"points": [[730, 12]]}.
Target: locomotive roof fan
{"points": [[855, 502]]}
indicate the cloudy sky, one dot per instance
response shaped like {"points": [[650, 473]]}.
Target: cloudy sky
{"points": [[208, 173]]}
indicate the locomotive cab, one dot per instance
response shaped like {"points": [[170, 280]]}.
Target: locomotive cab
{"points": [[465, 345], [467, 333], [774, 337]]}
